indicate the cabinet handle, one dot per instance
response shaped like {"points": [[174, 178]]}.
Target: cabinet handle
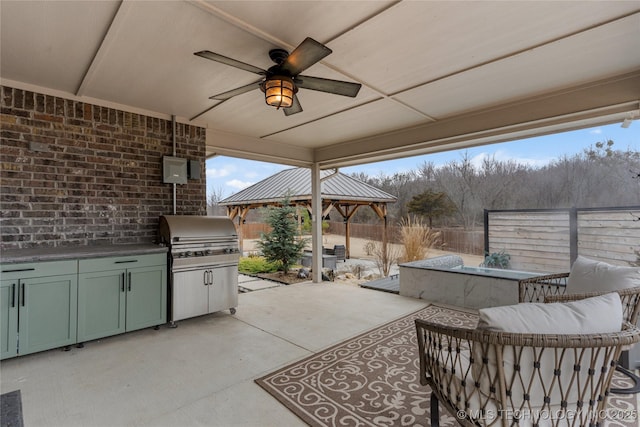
{"points": [[13, 295], [122, 280], [18, 269], [129, 282], [24, 296], [125, 262], [204, 277]]}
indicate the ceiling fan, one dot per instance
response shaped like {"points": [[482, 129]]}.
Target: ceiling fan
{"points": [[281, 82]]}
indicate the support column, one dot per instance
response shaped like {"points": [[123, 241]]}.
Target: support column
{"points": [[316, 224]]}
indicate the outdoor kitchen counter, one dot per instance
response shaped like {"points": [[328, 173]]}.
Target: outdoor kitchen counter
{"points": [[14, 256]]}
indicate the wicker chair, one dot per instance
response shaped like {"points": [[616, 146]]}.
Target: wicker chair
{"points": [[536, 289], [552, 288], [486, 378]]}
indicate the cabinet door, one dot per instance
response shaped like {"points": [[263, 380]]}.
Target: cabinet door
{"points": [[48, 312], [101, 304], [9, 320], [189, 294], [146, 297], [223, 292]]}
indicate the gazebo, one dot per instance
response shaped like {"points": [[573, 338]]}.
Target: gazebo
{"points": [[341, 192]]}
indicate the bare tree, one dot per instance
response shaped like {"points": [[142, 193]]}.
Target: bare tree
{"points": [[599, 176], [213, 199], [460, 181]]}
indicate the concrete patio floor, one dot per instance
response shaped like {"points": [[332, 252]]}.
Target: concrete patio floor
{"points": [[202, 372]]}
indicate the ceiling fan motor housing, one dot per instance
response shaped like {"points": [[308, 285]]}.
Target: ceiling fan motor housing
{"points": [[278, 55]]}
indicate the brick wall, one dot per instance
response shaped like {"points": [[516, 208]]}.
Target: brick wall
{"points": [[74, 173]]}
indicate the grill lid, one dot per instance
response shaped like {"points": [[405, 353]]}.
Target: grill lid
{"points": [[175, 229]]}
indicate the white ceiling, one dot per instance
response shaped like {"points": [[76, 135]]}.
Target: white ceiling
{"points": [[436, 75]]}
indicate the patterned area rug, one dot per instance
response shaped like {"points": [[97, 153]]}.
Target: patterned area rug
{"points": [[373, 379]]}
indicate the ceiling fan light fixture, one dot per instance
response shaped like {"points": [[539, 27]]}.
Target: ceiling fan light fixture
{"points": [[279, 91]]}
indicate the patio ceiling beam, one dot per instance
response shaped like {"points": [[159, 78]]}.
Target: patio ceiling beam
{"points": [[596, 103]]}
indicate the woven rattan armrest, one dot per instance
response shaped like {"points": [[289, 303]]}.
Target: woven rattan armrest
{"points": [[536, 289]]}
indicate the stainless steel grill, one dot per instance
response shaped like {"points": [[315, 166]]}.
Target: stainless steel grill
{"points": [[203, 260]]}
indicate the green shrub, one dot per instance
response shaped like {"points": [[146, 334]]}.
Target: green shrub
{"points": [[280, 244], [255, 265]]}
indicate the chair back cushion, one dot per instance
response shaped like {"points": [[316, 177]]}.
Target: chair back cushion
{"points": [[589, 275], [546, 377], [595, 315]]}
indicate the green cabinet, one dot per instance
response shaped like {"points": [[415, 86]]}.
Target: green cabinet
{"points": [[39, 306], [9, 320], [121, 294]]}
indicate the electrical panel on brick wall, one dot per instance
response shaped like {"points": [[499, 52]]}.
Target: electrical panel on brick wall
{"points": [[174, 170]]}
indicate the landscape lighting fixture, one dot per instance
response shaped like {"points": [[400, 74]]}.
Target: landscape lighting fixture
{"points": [[279, 91]]}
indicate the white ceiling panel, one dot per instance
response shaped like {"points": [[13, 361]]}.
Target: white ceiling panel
{"points": [[51, 44], [321, 20], [161, 54], [416, 42], [539, 70]]}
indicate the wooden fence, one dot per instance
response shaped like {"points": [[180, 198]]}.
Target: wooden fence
{"points": [[536, 239], [453, 239], [549, 240]]}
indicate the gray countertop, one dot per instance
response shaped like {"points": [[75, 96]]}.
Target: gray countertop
{"points": [[13, 256]]}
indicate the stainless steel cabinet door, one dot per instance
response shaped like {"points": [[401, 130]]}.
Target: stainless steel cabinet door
{"points": [[190, 294], [223, 292]]}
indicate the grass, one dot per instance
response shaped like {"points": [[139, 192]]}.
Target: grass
{"points": [[417, 238]]}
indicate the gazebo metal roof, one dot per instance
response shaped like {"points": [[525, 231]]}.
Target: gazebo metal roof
{"points": [[296, 182]]}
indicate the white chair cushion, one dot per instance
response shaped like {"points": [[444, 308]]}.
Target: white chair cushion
{"points": [[596, 315], [588, 275]]}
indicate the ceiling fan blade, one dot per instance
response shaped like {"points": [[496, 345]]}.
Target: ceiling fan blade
{"points": [[229, 61], [295, 107], [237, 91], [304, 56], [337, 87]]}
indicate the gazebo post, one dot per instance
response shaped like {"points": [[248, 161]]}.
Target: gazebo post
{"points": [[347, 214], [347, 240], [240, 234]]}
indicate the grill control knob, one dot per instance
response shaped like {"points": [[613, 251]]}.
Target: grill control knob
{"points": [[188, 253], [208, 252]]}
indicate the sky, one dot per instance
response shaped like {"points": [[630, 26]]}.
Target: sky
{"points": [[228, 175]]}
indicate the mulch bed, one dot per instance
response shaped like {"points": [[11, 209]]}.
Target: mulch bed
{"points": [[278, 276]]}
